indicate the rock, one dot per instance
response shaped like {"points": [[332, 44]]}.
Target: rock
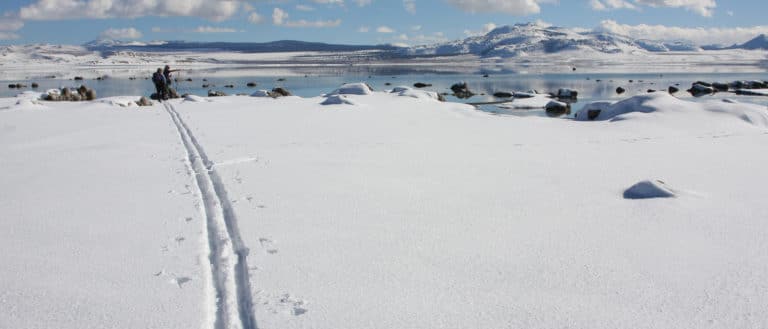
{"points": [[212, 93], [206, 85], [66, 93], [90, 94], [701, 90], [12, 85], [485, 75], [651, 90], [706, 84], [280, 91], [502, 94], [555, 108], [229, 86], [673, 89], [281, 79], [82, 90], [144, 101], [131, 78], [261, 93], [251, 84], [387, 84], [567, 93], [75, 98], [189, 80], [649, 190], [422, 85], [720, 86], [35, 85], [461, 90], [78, 78], [593, 114]]}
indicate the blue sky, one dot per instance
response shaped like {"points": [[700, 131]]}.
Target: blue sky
{"points": [[367, 21]]}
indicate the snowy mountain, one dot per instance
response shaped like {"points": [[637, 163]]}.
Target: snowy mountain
{"points": [[760, 42], [523, 39]]}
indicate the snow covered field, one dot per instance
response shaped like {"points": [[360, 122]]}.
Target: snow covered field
{"points": [[381, 211]]}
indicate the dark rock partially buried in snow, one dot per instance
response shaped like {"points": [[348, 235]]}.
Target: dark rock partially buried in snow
{"points": [[649, 190], [502, 94], [144, 101], [422, 85], [216, 93], [620, 90], [280, 91]]}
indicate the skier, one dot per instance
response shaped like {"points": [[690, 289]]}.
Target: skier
{"points": [[161, 85]]}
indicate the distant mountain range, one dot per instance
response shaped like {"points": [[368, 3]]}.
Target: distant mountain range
{"points": [[531, 39], [506, 41]]}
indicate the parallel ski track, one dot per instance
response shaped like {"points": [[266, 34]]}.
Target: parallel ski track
{"points": [[233, 304]]}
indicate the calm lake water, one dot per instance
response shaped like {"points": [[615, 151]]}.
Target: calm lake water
{"points": [[309, 82]]}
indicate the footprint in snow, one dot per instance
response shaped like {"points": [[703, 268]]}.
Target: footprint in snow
{"points": [[268, 245]]}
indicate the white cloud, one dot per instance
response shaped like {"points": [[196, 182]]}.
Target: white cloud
{"points": [[416, 28], [99, 9], [255, 18], [701, 7], [385, 29], [10, 24], [611, 4], [488, 27], [280, 18], [213, 29], [363, 29], [330, 2], [8, 36], [126, 33], [701, 36], [513, 7], [405, 39], [410, 6], [304, 8], [363, 3]]}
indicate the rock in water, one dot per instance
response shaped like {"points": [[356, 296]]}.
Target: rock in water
{"points": [[422, 85], [649, 189]]}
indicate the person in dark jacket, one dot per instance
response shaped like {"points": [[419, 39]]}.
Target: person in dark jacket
{"points": [[168, 81], [160, 84]]}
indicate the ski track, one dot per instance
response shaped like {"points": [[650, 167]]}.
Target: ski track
{"points": [[229, 283]]}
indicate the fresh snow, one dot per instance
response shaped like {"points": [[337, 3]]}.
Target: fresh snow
{"points": [[390, 211]]}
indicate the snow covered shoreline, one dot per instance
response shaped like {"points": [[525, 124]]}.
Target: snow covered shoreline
{"points": [[385, 211]]}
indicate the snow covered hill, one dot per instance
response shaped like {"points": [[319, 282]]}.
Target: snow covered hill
{"points": [[532, 38]]}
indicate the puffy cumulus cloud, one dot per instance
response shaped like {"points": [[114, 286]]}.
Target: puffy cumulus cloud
{"points": [[701, 7], [255, 18], [280, 18], [701, 36], [611, 4], [125, 33], [513, 7], [488, 27], [385, 29], [99, 9]]}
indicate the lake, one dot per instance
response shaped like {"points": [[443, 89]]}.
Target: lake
{"points": [[314, 81]]}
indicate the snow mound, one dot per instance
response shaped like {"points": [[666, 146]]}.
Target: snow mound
{"points": [[529, 101], [649, 189], [358, 88], [121, 101], [195, 99], [413, 93], [667, 105], [261, 93], [338, 100]]}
